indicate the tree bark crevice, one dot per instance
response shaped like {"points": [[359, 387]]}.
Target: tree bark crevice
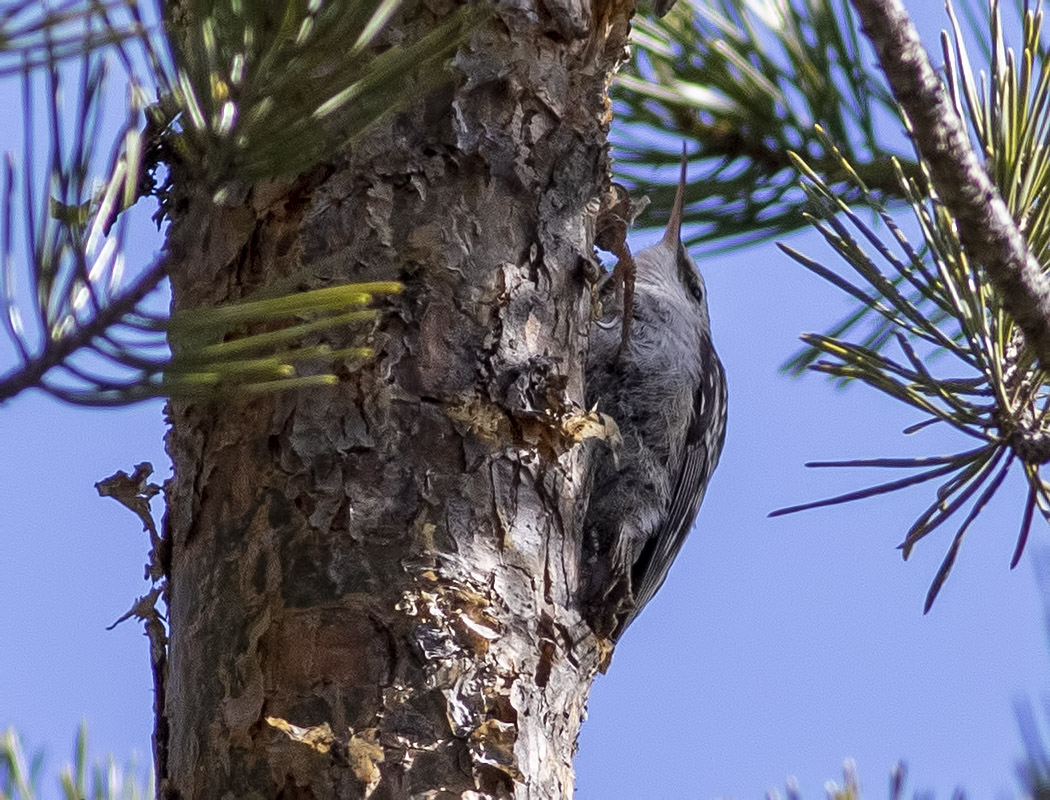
{"points": [[396, 556]]}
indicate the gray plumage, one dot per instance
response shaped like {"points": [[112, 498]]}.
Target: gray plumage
{"points": [[667, 392]]}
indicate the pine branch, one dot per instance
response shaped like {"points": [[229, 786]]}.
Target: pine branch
{"points": [[32, 372], [35, 34], [938, 302], [748, 82], [986, 229], [241, 99]]}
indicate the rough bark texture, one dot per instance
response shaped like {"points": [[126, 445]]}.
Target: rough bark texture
{"points": [[396, 557], [986, 229]]}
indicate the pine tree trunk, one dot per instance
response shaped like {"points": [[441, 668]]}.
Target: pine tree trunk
{"points": [[396, 556]]}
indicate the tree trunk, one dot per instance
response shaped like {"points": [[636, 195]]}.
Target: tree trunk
{"points": [[396, 556]]}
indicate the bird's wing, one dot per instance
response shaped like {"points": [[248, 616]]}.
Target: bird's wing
{"points": [[703, 445]]}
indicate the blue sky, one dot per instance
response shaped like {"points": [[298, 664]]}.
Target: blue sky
{"points": [[776, 647]]}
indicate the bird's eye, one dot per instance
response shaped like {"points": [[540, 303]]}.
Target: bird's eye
{"points": [[697, 291]]}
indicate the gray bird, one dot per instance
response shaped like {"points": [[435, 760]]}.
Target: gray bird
{"points": [[666, 390]]}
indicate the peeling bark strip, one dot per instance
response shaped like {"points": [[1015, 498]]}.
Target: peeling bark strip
{"points": [[986, 229], [372, 585]]}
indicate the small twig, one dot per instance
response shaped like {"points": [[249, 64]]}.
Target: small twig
{"points": [[56, 351], [134, 492]]}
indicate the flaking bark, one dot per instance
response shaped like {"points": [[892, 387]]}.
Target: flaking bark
{"points": [[373, 585]]}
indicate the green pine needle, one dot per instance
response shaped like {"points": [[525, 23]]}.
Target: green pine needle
{"points": [[247, 91], [747, 82], [937, 306]]}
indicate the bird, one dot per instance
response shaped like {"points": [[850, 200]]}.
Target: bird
{"points": [[665, 388]]}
